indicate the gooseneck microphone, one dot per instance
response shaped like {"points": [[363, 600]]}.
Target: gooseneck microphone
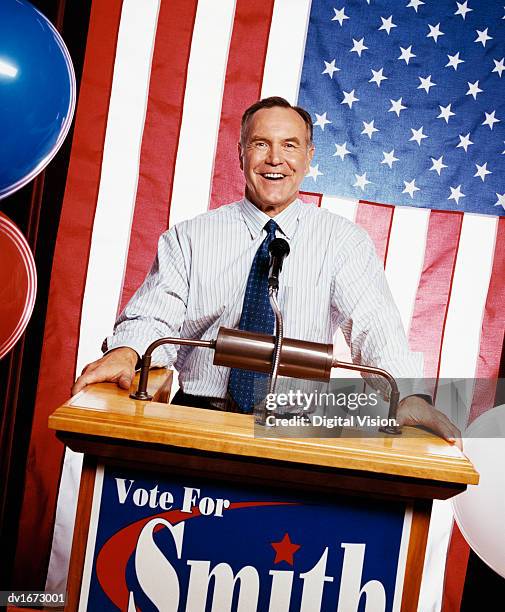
{"points": [[279, 250]]}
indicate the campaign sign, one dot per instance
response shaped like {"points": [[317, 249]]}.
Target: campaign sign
{"points": [[161, 543]]}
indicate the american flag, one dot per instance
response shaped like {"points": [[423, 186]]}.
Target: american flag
{"points": [[163, 88]]}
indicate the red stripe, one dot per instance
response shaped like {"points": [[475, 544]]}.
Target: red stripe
{"points": [[455, 571], [160, 139], [61, 333], [377, 220], [244, 76], [493, 329], [311, 198], [434, 290]]}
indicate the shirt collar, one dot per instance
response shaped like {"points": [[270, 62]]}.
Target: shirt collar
{"points": [[255, 219]]}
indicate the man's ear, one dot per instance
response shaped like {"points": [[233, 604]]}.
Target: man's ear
{"points": [[239, 149], [310, 155]]}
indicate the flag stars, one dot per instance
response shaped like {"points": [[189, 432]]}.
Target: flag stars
{"points": [[410, 187], [474, 89], [361, 181], [314, 172], [464, 142], [389, 158], [341, 150], [358, 46], [426, 83], [501, 200], [463, 9], [349, 98], [330, 68], [415, 4], [445, 113], [396, 106], [340, 16], [438, 164], [417, 135], [499, 67], [406, 54], [435, 32], [482, 37], [369, 128], [321, 121], [454, 61], [482, 171], [456, 194], [377, 77], [490, 119], [387, 24]]}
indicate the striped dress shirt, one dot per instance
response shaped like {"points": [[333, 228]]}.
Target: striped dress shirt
{"points": [[331, 279]]}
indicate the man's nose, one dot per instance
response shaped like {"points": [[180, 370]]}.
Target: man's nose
{"points": [[275, 157]]}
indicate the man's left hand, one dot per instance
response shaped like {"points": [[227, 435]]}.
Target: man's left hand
{"points": [[416, 411]]}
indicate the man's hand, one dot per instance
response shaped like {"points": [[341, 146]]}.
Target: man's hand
{"points": [[117, 366], [416, 411]]}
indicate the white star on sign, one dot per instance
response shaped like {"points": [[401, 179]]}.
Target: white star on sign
{"points": [[454, 61], [426, 83], [349, 98], [445, 113], [341, 151], [389, 158], [361, 181], [396, 107], [482, 37], [474, 89], [498, 66], [435, 32], [330, 68], [321, 121], [358, 46], [410, 187], [456, 194], [415, 4], [482, 171], [418, 135], [387, 24], [406, 54], [463, 9], [314, 172], [377, 77], [501, 200], [369, 129], [340, 16], [438, 164], [464, 142], [490, 119]]}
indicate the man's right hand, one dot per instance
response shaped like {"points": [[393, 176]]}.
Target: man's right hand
{"points": [[117, 366]]}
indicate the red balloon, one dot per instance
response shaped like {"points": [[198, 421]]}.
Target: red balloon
{"points": [[18, 284]]}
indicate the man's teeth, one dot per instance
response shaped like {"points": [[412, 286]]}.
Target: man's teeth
{"points": [[273, 175]]}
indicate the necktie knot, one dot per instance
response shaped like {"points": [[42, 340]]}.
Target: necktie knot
{"points": [[270, 228]]}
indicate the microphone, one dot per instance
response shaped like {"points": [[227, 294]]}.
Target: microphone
{"points": [[279, 250]]}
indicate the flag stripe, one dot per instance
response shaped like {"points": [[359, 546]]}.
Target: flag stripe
{"points": [[376, 219], [160, 139], [311, 198], [67, 285], [242, 88], [434, 291], [202, 109]]}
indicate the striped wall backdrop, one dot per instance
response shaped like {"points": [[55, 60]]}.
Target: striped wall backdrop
{"points": [[163, 88]]}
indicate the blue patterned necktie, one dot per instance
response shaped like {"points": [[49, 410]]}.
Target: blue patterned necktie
{"points": [[257, 316]]}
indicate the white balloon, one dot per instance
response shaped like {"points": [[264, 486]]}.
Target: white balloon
{"points": [[480, 510]]}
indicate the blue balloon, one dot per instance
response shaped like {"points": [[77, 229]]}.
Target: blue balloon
{"points": [[37, 93]]}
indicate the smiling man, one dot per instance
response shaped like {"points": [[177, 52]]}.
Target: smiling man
{"points": [[211, 272]]}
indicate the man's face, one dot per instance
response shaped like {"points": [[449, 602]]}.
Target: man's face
{"points": [[275, 156]]}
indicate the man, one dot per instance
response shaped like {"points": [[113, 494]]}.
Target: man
{"points": [[208, 274]]}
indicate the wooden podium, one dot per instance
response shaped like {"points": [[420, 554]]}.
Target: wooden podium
{"points": [[277, 524]]}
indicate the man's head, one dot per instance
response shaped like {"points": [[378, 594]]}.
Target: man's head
{"points": [[275, 152]]}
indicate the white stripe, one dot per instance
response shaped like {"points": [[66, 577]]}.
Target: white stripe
{"points": [[118, 182], [469, 291], [286, 47], [402, 559], [405, 257], [202, 109], [345, 207]]}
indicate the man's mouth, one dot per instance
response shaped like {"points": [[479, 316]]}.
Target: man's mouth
{"points": [[273, 176]]}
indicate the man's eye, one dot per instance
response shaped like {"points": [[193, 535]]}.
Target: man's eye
{"points": [[261, 145], [289, 145]]}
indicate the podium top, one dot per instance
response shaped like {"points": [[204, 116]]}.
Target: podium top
{"points": [[105, 412]]}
